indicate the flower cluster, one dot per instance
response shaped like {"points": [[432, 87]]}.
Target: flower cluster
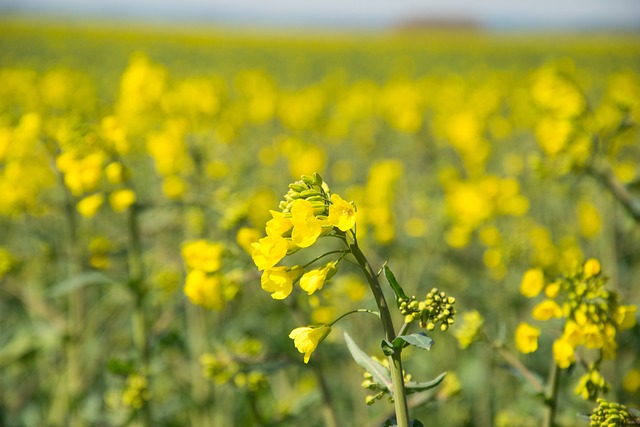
{"points": [[436, 308], [136, 392], [609, 414], [470, 330], [308, 212], [205, 284], [370, 384], [592, 317], [236, 363]]}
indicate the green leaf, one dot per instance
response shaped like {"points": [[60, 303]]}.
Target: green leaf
{"points": [[420, 340], [379, 372], [397, 289], [416, 387], [387, 348], [79, 281]]}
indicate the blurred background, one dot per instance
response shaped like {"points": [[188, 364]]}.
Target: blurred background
{"points": [[142, 145]]}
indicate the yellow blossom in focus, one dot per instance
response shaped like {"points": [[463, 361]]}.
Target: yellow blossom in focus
{"points": [[204, 290], [203, 255], [120, 200], [342, 214], [546, 310], [306, 339], [563, 353], [279, 280], [591, 267], [313, 280], [306, 227], [527, 338], [90, 205], [532, 283], [268, 251], [278, 225]]}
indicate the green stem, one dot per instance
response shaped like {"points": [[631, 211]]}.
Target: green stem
{"points": [[359, 310], [139, 323], [327, 406], [551, 396], [395, 360]]}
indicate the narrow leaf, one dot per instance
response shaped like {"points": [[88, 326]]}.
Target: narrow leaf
{"points": [[379, 372], [388, 348], [397, 289], [79, 281], [416, 387], [420, 340]]}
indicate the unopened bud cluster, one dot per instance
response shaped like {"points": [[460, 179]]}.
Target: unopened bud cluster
{"points": [[436, 309], [310, 188], [609, 414], [370, 384]]}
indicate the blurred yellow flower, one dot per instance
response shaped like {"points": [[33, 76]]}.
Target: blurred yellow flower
{"points": [[203, 255], [114, 172], [563, 352], [306, 339], [90, 205], [313, 280], [279, 280], [589, 219], [631, 381], [625, 316], [591, 267], [120, 200], [527, 338], [470, 329], [532, 282], [552, 289], [204, 290], [342, 214], [268, 251], [546, 310], [246, 236]]}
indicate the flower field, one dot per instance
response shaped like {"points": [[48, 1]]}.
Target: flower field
{"points": [[196, 227]]}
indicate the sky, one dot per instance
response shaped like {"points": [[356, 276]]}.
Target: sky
{"points": [[526, 14]]}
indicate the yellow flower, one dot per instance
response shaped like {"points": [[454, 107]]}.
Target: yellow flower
{"points": [[279, 280], [532, 282], [591, 267], [592, 337], [306, 339], [546, 310], [314, 279], [306, 227], [468, 332], [527, 338], [563, 352], [114, 172], [342, 214], [246, 236], [203, 255], [268, 251], [120, 200], [90, 205], [631, 381], [278, 225], [204, 290], [552, 289], [625, 316]]}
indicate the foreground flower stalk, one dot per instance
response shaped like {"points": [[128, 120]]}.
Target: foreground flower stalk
{"points": [[395, 360], [309, 212]]}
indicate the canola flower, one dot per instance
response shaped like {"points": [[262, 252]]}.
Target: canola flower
{"points": [[309, 212]]}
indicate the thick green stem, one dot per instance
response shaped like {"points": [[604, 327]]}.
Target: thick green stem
{"points": [[551, 396], [395, 360]]}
